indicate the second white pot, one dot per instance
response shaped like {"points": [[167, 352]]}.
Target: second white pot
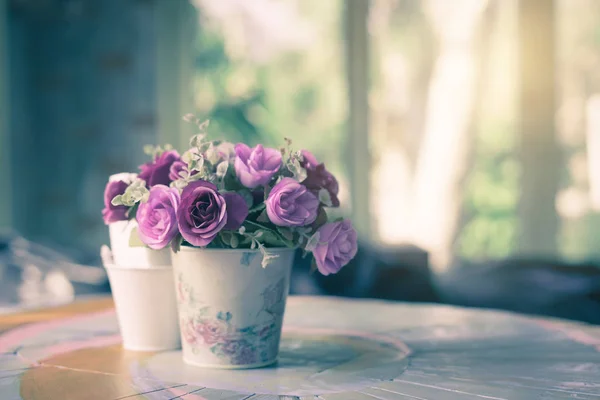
{"points": [[146, 310], [134, 256]]}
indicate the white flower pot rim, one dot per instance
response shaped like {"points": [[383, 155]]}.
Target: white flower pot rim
{"points": [[140, 268], [269, 250]]}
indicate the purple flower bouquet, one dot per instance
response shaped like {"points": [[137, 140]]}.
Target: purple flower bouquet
{"points": [[232, 217], [221, 195]]}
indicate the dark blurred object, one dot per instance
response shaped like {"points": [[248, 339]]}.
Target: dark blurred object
{"points": [[393, 273], [34, 275], [539, 287]]}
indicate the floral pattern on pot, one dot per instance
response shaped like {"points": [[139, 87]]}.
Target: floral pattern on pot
{"points": [[205, 328], [239, 346]]}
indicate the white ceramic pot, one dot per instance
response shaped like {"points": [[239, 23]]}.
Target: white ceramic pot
{"points": [[230, 308], [134, 256], [146, 308]]}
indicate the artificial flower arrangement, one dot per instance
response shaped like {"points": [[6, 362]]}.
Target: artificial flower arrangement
{"points": [[221, 195], [214, 209]]}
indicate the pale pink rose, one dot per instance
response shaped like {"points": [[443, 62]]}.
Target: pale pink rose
{"points": [[211, 331], [187, 331]]}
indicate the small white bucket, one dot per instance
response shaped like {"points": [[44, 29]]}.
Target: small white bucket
{"points": [[146, 308], [230, 308], [137, 256]]}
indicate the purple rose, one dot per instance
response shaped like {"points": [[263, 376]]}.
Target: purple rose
{"points": [[202, 213], [255, 167], [291, 204], [175, 169], [319, 178], [337, 246], [112, 213], [156, 218], [237, 210], [157, 172]]}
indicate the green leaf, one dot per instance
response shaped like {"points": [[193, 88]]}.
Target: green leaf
{"points": [[187, 156], [179, 184], [303, 230], [149, 149], [195, 177], [134, 193], [232, 183], [252, 226], [203, 126], [222, 169], [117, 200], [176, 243], [321, 219], [132, 211], [134, 239], [296, 169], [267, 191], [325, 197], [196, 140], [212, 154], [234, 241], [263, 217], [313, 266], [226, 237], [196, 164], [190, 118], [258, 207], [245, 241], [272, 239], [313, 242], [286, 233], [247, 195]]}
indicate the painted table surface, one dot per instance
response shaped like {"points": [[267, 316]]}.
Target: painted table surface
{"points": [[331, 349]]}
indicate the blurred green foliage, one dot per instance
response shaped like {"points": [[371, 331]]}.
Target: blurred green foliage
{"points": [[301, 93], [296, 93], [491, 195]]}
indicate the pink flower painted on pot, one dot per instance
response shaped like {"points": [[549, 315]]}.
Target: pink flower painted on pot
{"points": [[187, 331], [180, 292], [211, 331], [232, 344]]}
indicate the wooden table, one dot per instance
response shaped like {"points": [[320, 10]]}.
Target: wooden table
{"points": [[332, 349]]}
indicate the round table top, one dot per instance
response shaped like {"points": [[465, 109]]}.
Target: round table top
{"points": [[331, 349]]}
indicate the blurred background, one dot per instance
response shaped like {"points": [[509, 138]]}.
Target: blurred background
{"points": [[465, 134]]}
